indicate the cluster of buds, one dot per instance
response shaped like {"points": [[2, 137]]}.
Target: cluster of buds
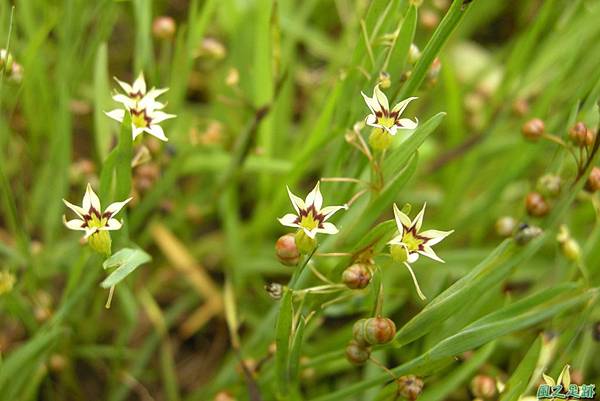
{"points": [[367, 332], [568, 246], [9, 68], [581, 135]]}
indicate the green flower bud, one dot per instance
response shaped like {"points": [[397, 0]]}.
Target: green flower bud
{"points": [[380, 139], [7, 281], [100, 242], [304, 243], [570, 248], [399, 253], [356, 353]]}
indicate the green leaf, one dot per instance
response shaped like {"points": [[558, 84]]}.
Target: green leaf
{"points": [[441, 390], [439, 38], [125, 261], [398, 54], [516, 385]]}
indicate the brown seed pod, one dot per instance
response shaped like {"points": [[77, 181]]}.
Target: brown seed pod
{"points": [[286, 250], [593, 181], [163, 27], [578, 134], [358, 332], [533, 129], [379, 330], [483, 386], [536, 205], [410, 386], [357, 276], [356, 353]]}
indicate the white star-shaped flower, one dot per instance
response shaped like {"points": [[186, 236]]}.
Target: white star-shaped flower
{"points": [[136, 92], [382, 117], [144, 118], [90, 217], [310, 217], [413, 240]]}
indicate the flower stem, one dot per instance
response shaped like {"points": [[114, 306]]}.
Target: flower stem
{"points": [[110, 297], [414, 278]]}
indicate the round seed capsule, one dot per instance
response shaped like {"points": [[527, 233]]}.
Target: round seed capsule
{"points": [[379, 330], [533, 129], [286, 250], [357, 354], [357, 276]]}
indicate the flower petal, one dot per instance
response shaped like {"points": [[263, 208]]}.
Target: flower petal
{"points": [[125, 100], [399, 108], [139, 85], [371, 120], [402, 220], [329, 211], [372, 103], [154, 93], [418, 221], [297, 202], [117, 114], [407, 123], [311, 233], [289, 220], [116, 207], [159, 116], [381, 98], [90, 199], [412, 257], [157, 132], [328, 228], [112, 224], [78, 210], [137, 131], [314, 198], [75, 224], [429, 252], [124, 85], [435, 236], [89, 232], [397, 240]]}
